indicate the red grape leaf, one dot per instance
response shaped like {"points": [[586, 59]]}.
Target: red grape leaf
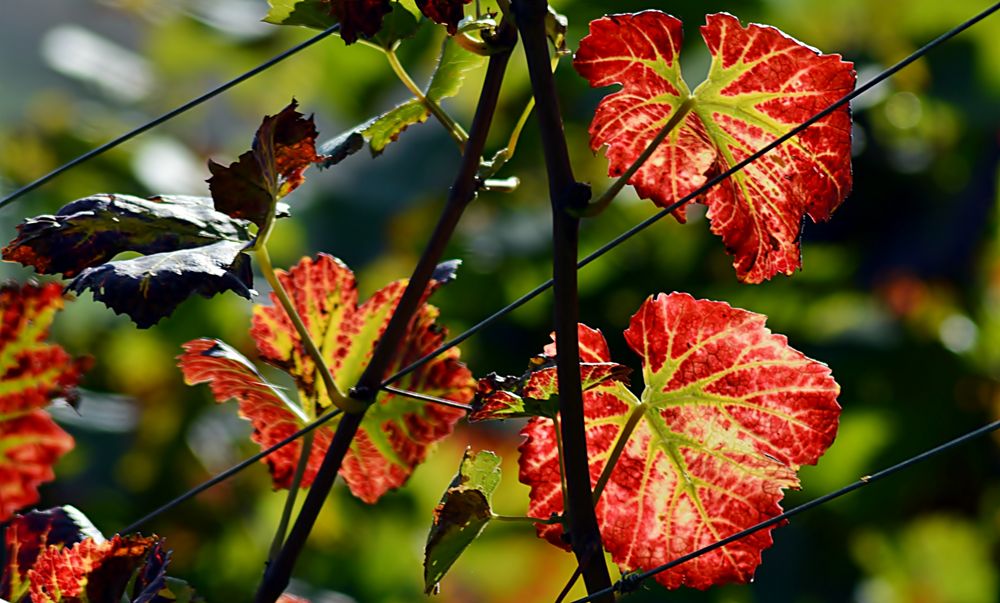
{"points": [[273, 416], [760, 85], [396, 432], [728, 415], [462, 514], [32, 373], [359, 16], [29, 534], [446, 12], [284, 146]]}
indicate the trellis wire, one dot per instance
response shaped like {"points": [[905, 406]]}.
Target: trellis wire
{"points": [[630, 582], [882, 76], [600, 251], [166, 116], [223, 476]]}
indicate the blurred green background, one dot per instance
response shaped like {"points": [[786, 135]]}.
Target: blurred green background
{"points": [[900, 292]]}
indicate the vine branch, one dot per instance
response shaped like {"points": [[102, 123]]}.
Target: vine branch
{"points": [[567, 197], [278, 574]]}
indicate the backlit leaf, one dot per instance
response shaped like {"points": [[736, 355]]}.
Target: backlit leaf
{"points": [[307, 13], [28, 535], [32, 373], [284, 146], [397, 26], [446, 82], [760, 85], [188, 247], [461, 515], [446, 12], [274, 417], [396, 432], [728, 415]]}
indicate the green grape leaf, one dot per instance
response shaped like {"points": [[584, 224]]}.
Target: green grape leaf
{"points": [[461, 515], [446, 82], [307, 13]]}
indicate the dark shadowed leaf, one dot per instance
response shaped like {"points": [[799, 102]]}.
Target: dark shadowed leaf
{"points": [[32, 374], [445, 12], [397, 26], [461, 515], [93, 230], [150, 287], [284, 146], [356, 17]]}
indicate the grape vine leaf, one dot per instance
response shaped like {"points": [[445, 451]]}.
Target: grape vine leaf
{"points": [[188, 247], [462, 514], [760, 85], [396, 432], [445, 12], [274, 417], [446, 82], [728, 415], [32, 373], [307, 13], [57, 556], [282, 149], [28, 535]]}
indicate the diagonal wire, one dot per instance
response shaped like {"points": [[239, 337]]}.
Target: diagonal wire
{"points": [[600, 251], [223, 476], [166, 116], [631, 582]]}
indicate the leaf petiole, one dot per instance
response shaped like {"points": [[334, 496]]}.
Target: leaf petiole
{"points": [[341, 401], [609, 466], [293, 491], [601, 203], [449, 124]]}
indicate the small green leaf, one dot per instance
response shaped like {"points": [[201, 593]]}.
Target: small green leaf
{"points": [[446, 82], [307, 13], [397, 26], [462, 514]]}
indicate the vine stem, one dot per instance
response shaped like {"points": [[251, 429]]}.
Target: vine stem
{"points": [[455, 130], [566, 195], [293, 493], [463, 191], [267, 269]]}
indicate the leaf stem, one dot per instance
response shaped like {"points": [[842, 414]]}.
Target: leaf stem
{"points": [[279, 573], [630, 424], [293, 492], [442, 116], [562, 459], [602, 202], [338, 398]]}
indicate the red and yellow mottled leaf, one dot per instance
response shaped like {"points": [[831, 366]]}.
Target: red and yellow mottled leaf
{"points": [[32, 373], [728, 415], [28, 535], [446, 12], [274, 417], [284, 146], [396, 432], [760, 85], [99, 570]]}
